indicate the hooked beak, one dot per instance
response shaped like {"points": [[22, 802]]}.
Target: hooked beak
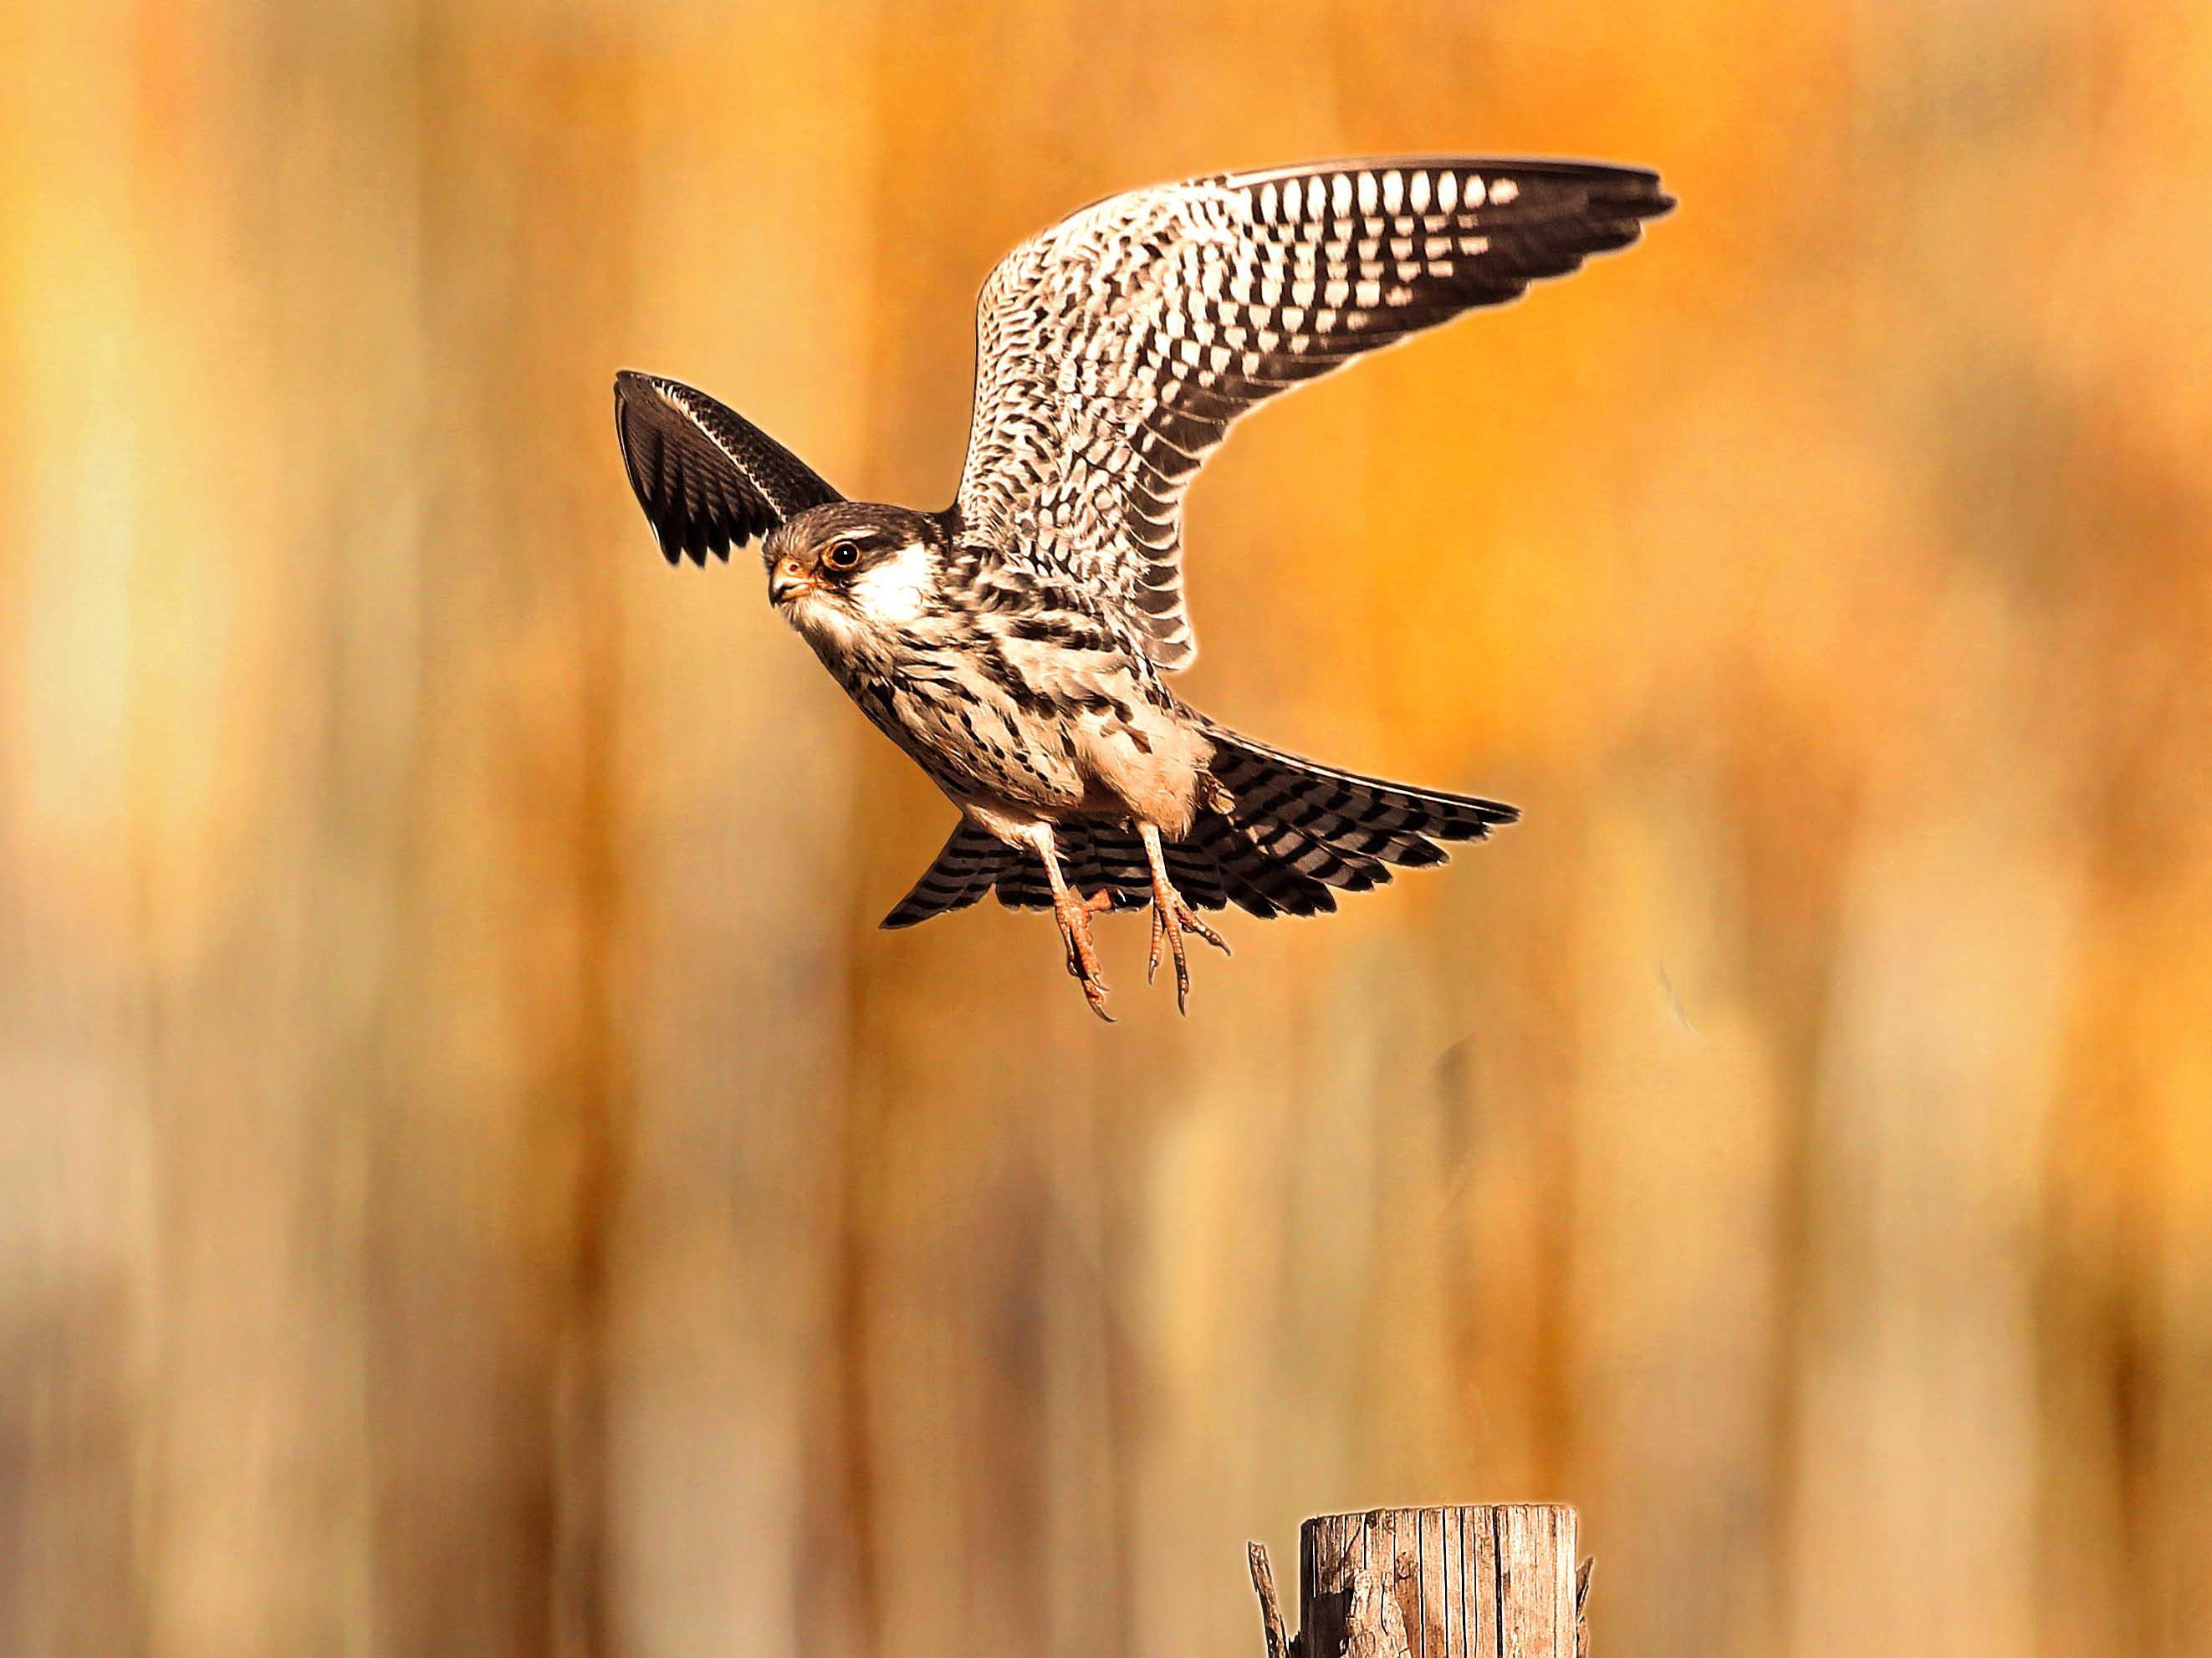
{"points": [[787, 582]]}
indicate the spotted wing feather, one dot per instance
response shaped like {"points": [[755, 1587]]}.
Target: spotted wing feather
{"points": [[709, 478], [1115, 350]]}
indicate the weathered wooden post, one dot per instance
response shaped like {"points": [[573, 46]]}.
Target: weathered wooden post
{"points": [[1492, 1581]]}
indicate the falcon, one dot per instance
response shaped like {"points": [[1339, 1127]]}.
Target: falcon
{"points": [[1017, 644]]}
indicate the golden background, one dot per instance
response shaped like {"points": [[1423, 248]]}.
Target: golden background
{"points": [[475, 1182]]}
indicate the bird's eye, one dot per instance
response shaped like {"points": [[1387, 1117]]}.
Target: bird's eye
{"points": [[842, 556]]}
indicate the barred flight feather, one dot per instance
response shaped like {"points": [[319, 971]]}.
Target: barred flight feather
{"points": [[1115, 350], [708, 477]]}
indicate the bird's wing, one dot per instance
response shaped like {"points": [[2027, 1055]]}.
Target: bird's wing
{"points": [[707, 478], [1113, 351]]}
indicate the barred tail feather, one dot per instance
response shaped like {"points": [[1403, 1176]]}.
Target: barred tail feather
{"points": [[1296, 830], [1295, 834], [1196, 876], [1094, 856], [970, 861]]}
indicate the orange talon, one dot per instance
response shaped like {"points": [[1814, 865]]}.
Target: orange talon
{"points": [[1172, 917]]}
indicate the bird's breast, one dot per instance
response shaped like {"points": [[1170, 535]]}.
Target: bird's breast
{"points": [[1049, 721]]}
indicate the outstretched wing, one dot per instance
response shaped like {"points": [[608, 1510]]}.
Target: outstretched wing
{"points": [[1114, 351], [707, 478]]}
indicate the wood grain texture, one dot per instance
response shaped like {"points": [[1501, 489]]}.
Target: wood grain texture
{"points": [[1271, 1608], [1493, 1581]]}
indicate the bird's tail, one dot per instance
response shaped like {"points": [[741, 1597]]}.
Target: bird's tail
{"points": [[1094, 857], [1288, 834], [971, 860], [1276, 835]]}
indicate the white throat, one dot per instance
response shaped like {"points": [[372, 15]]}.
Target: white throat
{"points": [[860, 626], [895, 592]]}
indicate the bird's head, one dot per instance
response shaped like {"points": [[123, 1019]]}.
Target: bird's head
{"points": [[850, 568]]}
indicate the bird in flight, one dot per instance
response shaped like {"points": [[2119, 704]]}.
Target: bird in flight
{"points": [[1016, 645]]}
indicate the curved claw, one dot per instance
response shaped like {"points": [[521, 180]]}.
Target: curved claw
{"points": [[1074, 918], [1095, 993], [1191, 920], [1172, 917]]}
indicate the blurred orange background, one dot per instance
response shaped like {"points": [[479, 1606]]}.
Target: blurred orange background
{"points": [[474, 1180]]}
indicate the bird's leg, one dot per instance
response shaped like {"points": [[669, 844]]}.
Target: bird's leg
{"points": [[1073, 911], [1171, 918]]}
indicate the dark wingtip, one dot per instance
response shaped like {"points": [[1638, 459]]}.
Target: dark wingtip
{"points": [[1421, 854], [1640, 209]]}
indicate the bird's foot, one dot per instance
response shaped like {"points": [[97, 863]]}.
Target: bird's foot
{"points": [[1172, 917], [1074, 914]]}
